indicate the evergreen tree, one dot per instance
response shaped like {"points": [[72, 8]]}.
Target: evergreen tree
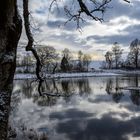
{"points": [[64, 64]]}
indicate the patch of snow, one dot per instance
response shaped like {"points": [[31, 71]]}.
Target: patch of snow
{"points": [[67, 75], [75, 75], [95, 73], [119, 71], [24, 76]]}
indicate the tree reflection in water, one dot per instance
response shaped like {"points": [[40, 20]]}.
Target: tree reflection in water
{"points": [[113, 88], [84, 87], [77, 111], [135, 93], [51, 89], [67, 87]]}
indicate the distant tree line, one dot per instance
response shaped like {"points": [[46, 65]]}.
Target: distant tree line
{"points": [[114, 59], [53, 61]]}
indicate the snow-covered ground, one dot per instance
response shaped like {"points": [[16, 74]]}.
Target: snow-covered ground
{"points": [[118, 71], [86, 74], [68, 75], [24, 76], [97, 73]]}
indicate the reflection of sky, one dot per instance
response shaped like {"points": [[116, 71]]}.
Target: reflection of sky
{"points": [[86, 117]]}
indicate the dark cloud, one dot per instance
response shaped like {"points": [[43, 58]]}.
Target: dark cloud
{"points": [[106, 127], [132, 33], [117, 9], [134, 30], [70, 114], [70, 25]]}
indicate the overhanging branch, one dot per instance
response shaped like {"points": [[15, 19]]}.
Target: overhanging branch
{"points": [[29, 46]]}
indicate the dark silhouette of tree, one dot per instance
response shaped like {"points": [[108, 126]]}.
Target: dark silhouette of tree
{"points": [[134, 53], [64, 64], [113, 88], [84, 87], [80, 60], [117, 52], [65, 86]]}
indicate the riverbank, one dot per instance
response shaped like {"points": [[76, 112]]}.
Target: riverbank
{"points": [[99, 73], [68, 75]]}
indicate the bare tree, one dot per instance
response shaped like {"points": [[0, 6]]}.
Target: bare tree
{"points": [[67, 54], [134, 53], [96, 13], [48, 56]]}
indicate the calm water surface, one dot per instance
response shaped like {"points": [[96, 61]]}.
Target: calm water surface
{"points": [[97, 108]]}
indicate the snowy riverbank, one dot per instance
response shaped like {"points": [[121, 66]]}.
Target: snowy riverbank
{"points": [[102, 73], [67, 75]]}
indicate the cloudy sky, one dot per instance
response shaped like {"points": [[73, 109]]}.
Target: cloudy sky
{"points": [[121, 24]]}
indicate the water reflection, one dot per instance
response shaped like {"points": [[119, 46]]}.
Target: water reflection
{"points": [[90, 109], [135, 93], [113, 87]]}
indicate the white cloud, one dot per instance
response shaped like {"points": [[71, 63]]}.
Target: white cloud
{"points": [[66, 37]]}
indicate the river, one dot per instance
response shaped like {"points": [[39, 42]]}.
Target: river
{"points": [[95, 108]]}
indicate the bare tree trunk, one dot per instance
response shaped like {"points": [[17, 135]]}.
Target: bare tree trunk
{"points": [[10, 31], [136, 60]]}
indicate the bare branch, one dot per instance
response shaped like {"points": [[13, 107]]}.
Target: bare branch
{"points": [[98, 8], [29, 46], [127, 1]]}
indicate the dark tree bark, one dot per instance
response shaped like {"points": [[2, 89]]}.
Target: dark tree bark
{"points": [[136, 59], [10, 31]]}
